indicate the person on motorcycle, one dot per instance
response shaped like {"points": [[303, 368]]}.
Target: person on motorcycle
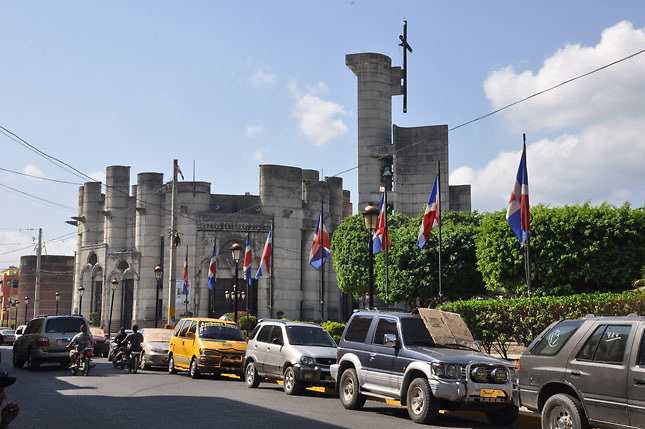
{"points": [[79, 342], [133, 340], [117, 340]]}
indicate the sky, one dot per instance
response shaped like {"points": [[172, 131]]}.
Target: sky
{"points": [[227, 86]]}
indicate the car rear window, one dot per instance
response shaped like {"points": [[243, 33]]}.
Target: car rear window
{"points": [[68, 324], [357, 329], [556, 338]]}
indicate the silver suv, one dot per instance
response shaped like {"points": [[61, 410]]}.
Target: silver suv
{"points": [[298, 353], [44, 340]]}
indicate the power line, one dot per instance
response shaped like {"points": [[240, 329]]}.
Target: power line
{"points": [[38, 177], [27, 195]]}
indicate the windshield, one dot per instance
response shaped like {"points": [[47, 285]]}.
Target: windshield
{"points": [[64, 324], [309, 336], [97, 332], [157, 335], [415, 332], [219, 331]]}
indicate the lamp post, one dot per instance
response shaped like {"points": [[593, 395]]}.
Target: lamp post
{"points": [[57, 301], [15, 304], [158, 275], [236, 251], [370, 216], [26, 308], [81, 289], [115, 284]]}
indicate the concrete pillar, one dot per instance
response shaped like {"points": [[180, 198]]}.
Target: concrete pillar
{"points": [[116, 204], [92, 205]]}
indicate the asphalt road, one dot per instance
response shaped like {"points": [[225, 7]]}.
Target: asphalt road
{"points": [[109, 398]]}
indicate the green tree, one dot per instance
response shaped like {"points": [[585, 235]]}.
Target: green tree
{"points": [[349, 248]]}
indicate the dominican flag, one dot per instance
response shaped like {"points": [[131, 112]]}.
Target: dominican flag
{"points": [[180, 173], [517, 214], [212, 270], [265, 262], [247, 262], [431, 215], [320, 246], [380, 231], [184, 277]]}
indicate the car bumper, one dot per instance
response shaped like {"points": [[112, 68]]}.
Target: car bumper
{"points": [[46, 356], [219, 364], [157, 359], [314, 375], [472, 393], [333, 371]]}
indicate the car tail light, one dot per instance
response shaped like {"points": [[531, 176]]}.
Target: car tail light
{"points": [[42, 342], [90, 354]]}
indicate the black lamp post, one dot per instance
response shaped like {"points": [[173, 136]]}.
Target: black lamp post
{"points": [[236, 251], [370, 216], [26, 308], [115, 284], [81, 290], [158, 275], [15, 304], [57, 301]]}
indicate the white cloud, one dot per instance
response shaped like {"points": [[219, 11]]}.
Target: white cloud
{"points": [[263, 76], [318, 118], [33, 171], [253, 130], [258, 155], [99, 176], [598, 123]]}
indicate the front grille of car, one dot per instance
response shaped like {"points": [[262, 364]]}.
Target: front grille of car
{"points": [[489, 377], [325, 361]]}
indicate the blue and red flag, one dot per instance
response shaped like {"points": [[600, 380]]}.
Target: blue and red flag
{"points": [[212, 270], [517, 214], [431, 215], [184, 277], [320, 246], [380, 231], [265, 262], [248, 257]]}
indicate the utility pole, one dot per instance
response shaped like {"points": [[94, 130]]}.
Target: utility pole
{"points": [[173, 254], [38, 255]]}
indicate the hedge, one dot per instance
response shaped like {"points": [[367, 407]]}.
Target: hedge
{"points": [[498, 322]]}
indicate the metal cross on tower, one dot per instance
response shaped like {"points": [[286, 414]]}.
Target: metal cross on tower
{"points": [[406, 48]]}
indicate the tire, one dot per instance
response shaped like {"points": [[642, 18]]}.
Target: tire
{"points": [[251, 376], [422, 406], [291, 385], [85, 367], [32, 364], [73, 370], [504, 416], [144, 364], [171, 365], [349, 390], [194, 370], [17, 362], [563, 410]]}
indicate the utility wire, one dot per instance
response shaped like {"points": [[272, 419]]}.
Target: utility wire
{"points": [[23, 194], [38, 177]]}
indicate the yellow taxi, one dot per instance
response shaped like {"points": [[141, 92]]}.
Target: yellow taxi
{"points": [[201, 345]]}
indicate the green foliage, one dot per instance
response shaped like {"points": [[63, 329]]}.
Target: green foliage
{"points": [[414, 273], [186, 314], [335, 329], [495, 322], [349, 247], [247, 323], [574, 249], [94, 318]]}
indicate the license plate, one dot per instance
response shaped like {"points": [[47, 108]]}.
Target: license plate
{"points": [[490, 393]]}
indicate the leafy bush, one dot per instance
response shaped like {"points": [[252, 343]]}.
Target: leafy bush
{"points": [[247, 323], [94, 318], [335, 329]]}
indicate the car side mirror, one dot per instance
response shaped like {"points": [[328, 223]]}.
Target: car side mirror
{"points": [[389, 340], [190, 335], [277, 341]]}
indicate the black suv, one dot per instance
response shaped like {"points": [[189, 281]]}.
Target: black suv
{"points": [[588, 371], [418, 360], [45, 339]]}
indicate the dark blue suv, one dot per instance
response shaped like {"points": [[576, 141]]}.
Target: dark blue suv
{"points": [[394, 356]]}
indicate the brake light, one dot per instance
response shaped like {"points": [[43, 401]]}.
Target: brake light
{"points": [[42, 342], [90, 354]]}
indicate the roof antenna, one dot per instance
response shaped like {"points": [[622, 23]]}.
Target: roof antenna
{"points": [[406, 48]]}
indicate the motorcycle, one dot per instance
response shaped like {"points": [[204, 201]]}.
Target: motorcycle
{"points": [[120, 357], [134, 362], [82, 361]]}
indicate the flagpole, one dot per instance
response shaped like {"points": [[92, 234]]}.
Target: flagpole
{"points": [[527, 251], [322, 268], [386, 242], [439, 217], [270, 279]]}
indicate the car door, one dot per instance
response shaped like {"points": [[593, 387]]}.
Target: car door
{"points": [[381, 373], [357, 335], [260, 347], [599, 372], [636, 380], [180, 350], [273, 356]]}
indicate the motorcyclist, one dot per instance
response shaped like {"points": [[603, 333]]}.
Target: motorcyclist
{"points": [[117, 341], [133, 341], [79, 342]]}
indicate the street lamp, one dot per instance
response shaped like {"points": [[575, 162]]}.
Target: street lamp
{"points": [[15, 305], [81, 289], [158, 275], [370, 216], [115, 284], [26, 307], [57, 301], [236, 251]]}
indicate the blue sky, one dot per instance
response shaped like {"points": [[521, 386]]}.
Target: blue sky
{"points": [[232, 85]]}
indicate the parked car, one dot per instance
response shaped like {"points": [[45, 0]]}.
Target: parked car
{"points": [[45, 339], [200, 345], [8, 336], [297, 353], [156, 343], [428, 362], [19, 331], [100, 341], [587, 372]]}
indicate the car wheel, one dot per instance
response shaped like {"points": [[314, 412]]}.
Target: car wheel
{"points": [[31, 362], [292, 386], [563, 411], [423, 407], [194, 371], [171, 365], [17, 362], [252, 377], [350, 394], [144, 364], [504, 416]]}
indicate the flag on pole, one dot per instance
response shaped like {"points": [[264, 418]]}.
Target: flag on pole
{"points": [[180, 173], [184, 277], [212, 270], [380, 231], [517, 214], [247, 262], [265, 262], [320, 246], [431, 215]]}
